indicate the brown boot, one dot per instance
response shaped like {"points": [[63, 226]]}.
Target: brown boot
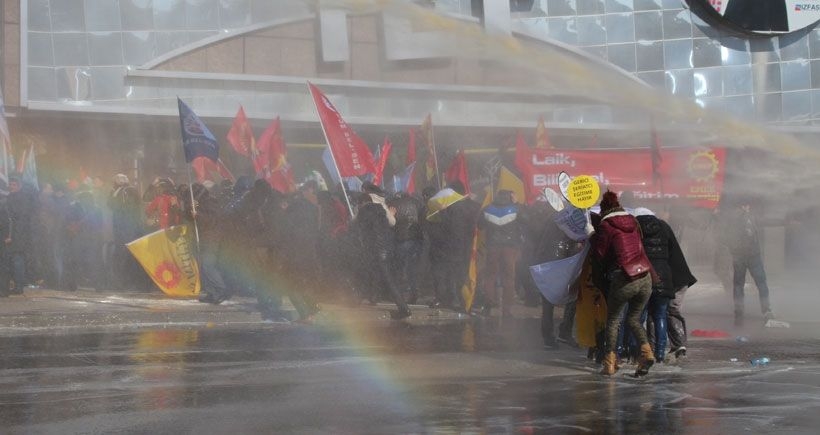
{"points": [[645, 361], [608, 363]]}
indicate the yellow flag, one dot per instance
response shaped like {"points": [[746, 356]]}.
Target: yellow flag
{"points": [[488, 197], [508, 181], [590, 314], [542, 140], [427, 133], [168, 258], [468, 289], [443, 199]]}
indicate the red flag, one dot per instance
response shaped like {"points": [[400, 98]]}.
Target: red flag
{"points": [[240, 136], [353, 157], [411, 148], [542, 140], [411, 179], [383, 156], [655, 145], [271, 163], [458, 171], [523, 161], [205, 168]]}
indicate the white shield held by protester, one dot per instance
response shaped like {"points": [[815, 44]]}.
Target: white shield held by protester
{"points": [[563, 184], [554, 279], [572, 221], [554, 199]]}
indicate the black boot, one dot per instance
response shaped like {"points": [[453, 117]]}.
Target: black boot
{"points": [[399, 314]]}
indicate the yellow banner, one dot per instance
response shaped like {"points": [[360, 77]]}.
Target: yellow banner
{"points": [[168, 258], [468, 289], [590, 311], [508, 181]]}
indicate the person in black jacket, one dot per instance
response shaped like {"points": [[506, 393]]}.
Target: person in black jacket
{"points": [[378, 248], [544, 241], [451, 241], [742, 235], [409, 243], [207, 219], [21, 208], [299, 238], [673, 273], [127, 225]]}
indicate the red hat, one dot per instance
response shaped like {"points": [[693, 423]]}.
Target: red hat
{"points": [[609, 201]]}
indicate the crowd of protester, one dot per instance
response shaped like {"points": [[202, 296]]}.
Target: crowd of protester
{"points": [[369, 247]]}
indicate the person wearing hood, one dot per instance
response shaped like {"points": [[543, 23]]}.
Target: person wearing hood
{"points": [[617, 243], [503, 237], [673, 273]]}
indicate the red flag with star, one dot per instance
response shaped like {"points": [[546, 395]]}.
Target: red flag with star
{"points": [[240, 136], [271, 163]]}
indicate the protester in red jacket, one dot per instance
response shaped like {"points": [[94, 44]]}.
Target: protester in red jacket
{"points": [[164, 210], [617, 243]]}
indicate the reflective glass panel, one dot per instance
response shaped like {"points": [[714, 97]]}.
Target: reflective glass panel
{"points": [[620, 28], [102, 15], [67, 16], [70, 49], [40, 50], [105, 48]]}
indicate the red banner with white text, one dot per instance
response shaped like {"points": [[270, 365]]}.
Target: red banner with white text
{"points": [[352, 156], [692, 174]]}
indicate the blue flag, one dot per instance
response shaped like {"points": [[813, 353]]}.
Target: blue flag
{"points": [[354, 184], [402, 181], [554, 279], [197, 140]]}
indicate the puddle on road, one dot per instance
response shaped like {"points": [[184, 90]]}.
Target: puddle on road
{"points": [[312, 379]]}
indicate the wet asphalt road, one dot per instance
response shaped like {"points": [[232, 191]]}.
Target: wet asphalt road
{"points": [[449, 376]]}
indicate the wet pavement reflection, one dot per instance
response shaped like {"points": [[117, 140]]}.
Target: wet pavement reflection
{"points": [[475, 376]]}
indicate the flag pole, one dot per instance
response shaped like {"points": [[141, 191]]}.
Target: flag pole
{"points": [[332, 157], [193, 205], [435, 153], [221, 165], [655, 153]]}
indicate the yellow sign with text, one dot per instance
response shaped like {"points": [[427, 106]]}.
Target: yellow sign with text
{"points": [[583, 191]]}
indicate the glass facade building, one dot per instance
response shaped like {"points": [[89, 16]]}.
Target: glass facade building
{"points": [[118, 56]]}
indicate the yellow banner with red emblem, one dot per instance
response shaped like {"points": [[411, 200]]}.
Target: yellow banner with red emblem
{"points": [[168, 258]]}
